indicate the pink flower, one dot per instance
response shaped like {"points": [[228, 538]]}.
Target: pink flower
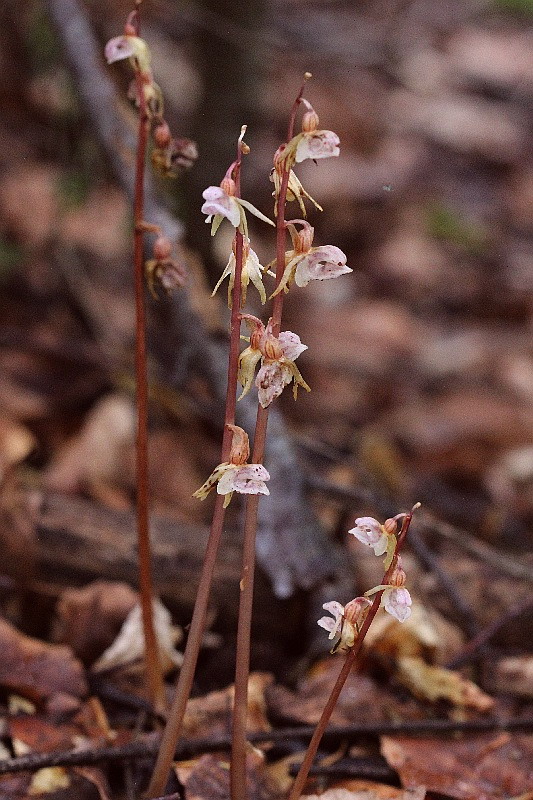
{"points": [[133, 47], [275, 374], [397, 602], [320, 264], [245, 479], [370, 532], [219, 204], [332, 624], [317, 144]]}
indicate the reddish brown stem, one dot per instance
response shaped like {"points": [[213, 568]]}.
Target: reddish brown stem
{"points": [[242, 666], [299, 781], [172, 731], [153, 665]]}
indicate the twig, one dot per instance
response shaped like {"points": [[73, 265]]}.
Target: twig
{"points": [[242, 668], [147, 746], [375, 769]]}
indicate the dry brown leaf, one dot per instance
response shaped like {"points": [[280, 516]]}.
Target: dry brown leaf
{"points": [[366, 790], [435, 683], [89, 619], [211, 715], [35, 669], [96, 453], [207, 778], [488, 767]]}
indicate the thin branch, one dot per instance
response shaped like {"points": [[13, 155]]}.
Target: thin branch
{"points": [[146, 747]]}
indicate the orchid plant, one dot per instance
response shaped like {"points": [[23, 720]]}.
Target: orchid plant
{"points": [[169, 157]]}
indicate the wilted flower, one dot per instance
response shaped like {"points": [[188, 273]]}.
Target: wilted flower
{"points": [[220, 202], [175, 157], [236, 475], [305, 263], [277, 355], [162, 269], [345, 623], [251, 271], [370, 532]]}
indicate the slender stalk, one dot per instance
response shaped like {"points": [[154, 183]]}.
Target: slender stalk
{"points": [[153, 666], [310, 754], [242, 666], [172, 730]]}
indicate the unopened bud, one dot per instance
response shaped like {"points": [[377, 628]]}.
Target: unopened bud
{"points": [[304, 238], [398, 576], [228, 186], [162, 135], [356, 610], [390, 525], [162, 248], [309, 121], [240, 446]]}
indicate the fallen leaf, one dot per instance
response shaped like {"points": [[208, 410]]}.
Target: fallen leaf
{"points": [[48, 780], [435, 683], [37, 670], [89, 619], [210, 715], [484, 767], [366, 790], [208, 778], [128, 647]]}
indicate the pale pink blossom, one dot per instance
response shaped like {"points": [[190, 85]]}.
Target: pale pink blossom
{"points": [[245, 479], [317, 144], [275, 374], [126, 46], [320, 264], [332, 624], [219, 204], [397, 602], [271, 380], [370, 532], [291, 345]]}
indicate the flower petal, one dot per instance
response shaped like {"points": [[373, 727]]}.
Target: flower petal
{"points": [[250, 479], [334, 608], [253, 270], [397, 602], [217, 201], [320, 264], [328, 623], [226, 482], [317, 144], [291, 344], [270, 381], [253, 210]]}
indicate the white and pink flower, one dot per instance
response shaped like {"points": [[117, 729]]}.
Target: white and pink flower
{"points": [[132, 47], [397, 602], [220, 203], [370, 532], [251, 271], [316, 144]]}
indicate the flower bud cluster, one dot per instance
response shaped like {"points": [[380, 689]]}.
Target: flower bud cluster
{"points": [[162, 270]]}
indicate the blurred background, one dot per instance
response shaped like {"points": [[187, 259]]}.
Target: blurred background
{"points": [[420, 361]]}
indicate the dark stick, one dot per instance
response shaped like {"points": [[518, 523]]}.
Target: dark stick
{"points": [[148, 745]]}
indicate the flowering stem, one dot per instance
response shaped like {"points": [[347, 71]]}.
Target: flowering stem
{"points": [[153, 665], [307, 762], [172, 730], [242, 665]]}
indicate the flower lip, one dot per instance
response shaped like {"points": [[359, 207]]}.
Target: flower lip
{"points": [[317, 144], [217, 201], [369, 531], [321, 264], [397, 602], [118, 48]]}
